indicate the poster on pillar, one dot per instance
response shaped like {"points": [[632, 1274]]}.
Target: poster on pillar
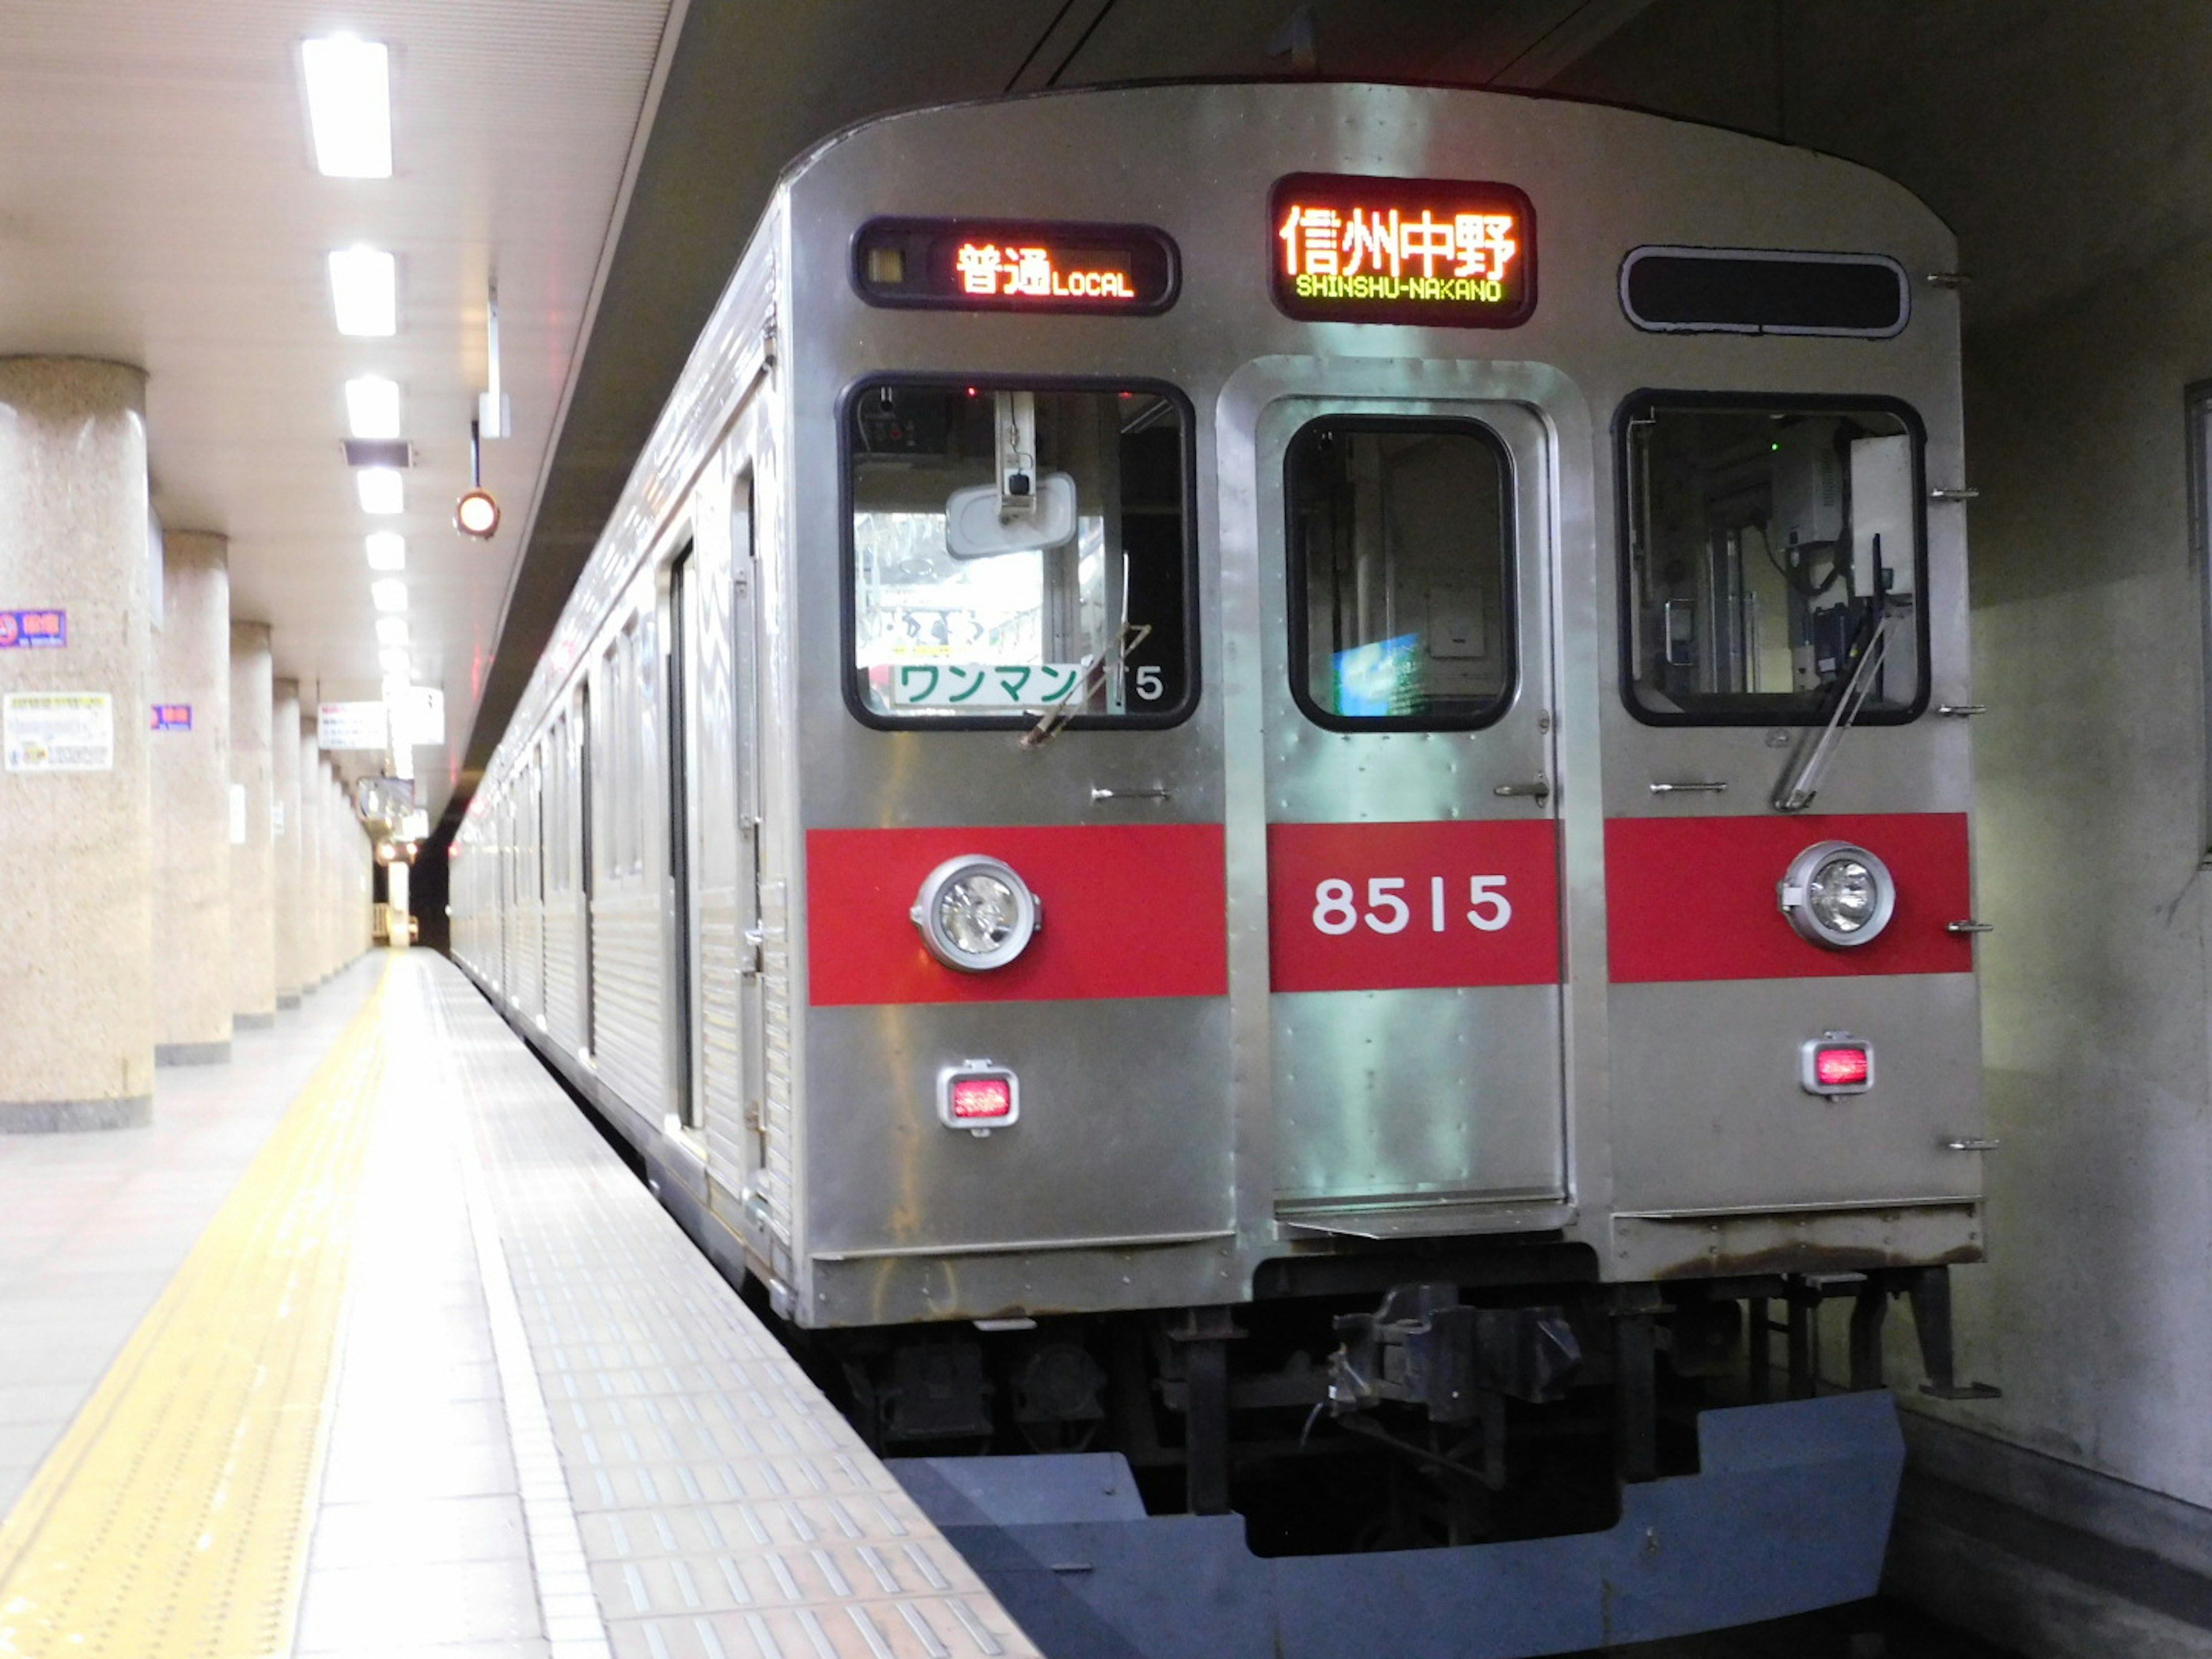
{"points": [[58, 731]]}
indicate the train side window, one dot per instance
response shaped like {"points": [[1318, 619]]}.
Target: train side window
{"points": [[1401, 607], [1017, 549], [1770, 546]]}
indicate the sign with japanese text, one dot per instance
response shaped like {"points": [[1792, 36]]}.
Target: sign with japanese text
{"points": [[32, 628], [58, 731], [982, 685], [351, 726], [1426, 252], [991, 264], [172, 717], [1374, 907]]}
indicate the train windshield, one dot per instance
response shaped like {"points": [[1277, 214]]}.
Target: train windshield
{"points": [[1018, 552], [1774, 554], [1400, 578]]}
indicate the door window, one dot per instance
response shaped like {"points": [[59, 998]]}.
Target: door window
{"points": [[1401, 608]]}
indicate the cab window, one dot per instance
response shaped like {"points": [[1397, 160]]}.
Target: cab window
{"points": [[1773, 552], [1018, 552], [1400, 587]]}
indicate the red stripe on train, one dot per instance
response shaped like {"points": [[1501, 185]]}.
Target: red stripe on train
{"points": [[1130, 910], [1694, 898]]}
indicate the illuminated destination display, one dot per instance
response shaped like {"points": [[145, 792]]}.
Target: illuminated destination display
{"points": [[1430, 251], [988, 264]]}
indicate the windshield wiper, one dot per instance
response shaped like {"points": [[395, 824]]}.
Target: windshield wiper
{"points": [[1800, 779]]}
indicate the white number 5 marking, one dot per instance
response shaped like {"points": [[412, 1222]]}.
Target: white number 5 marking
{"points": [[1382, 894], [1493, 910]]}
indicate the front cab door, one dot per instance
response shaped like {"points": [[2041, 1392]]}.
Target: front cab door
{"points": [[1413, 894]]}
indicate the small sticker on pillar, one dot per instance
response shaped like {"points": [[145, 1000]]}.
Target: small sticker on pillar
{"points": [[172, 717], [33, 629]]}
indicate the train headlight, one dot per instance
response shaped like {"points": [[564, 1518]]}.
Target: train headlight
{"points": [[1838, 895], [975, 913]]}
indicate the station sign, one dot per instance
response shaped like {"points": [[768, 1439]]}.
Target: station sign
{"points": [[1008, 265], [1433, 252], [351, 726]]}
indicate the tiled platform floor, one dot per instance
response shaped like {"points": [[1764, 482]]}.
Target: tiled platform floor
{"points": [[96, 1224]]}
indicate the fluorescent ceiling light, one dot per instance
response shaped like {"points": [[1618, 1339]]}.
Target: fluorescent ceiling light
{"points": [[395, 663], [392, 630], [390, 594], [365, 291], [382, 490], [349, 106], [387, 551], [372, 407]]}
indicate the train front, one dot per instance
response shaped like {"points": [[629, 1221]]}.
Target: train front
{"points": [[1386, 998]]}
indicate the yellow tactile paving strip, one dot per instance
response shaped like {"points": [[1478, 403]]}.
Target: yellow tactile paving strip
{"points": [[171, 1519]]}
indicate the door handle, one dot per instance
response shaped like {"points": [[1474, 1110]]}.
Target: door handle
{"points": [[1541, 789]]}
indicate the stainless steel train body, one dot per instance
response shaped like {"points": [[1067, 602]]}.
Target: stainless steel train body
{"points": [[1409, 873]]}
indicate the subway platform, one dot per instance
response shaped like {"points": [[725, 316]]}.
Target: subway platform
{"points": [[370, 1346]]}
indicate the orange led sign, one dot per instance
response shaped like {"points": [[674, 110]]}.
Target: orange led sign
{"points": [[1427, 252], [977, 264]]}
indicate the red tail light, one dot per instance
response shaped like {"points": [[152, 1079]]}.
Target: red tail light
{"points": [[979, 1096], [988, 1098], [1836, 1063], [1840, 1065]]}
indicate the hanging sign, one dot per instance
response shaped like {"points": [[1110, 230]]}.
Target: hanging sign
{"points": [[351, 726], [58, 731]]}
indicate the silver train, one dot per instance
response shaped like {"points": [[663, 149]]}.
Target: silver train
{"points": [[1261, 769]]}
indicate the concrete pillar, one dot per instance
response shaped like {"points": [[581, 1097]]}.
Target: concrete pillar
{"points": [[342, 877], [284, 831], [252, 889], [76, 885], [311, 856], [191, 765], [396, 890]]}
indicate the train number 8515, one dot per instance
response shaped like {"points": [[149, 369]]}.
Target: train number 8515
{"points": [[1335, 911]]}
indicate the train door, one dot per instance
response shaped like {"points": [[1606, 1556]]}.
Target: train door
{"points": [[715, 620], [1412, 846], [586, 869], [682, 630]]}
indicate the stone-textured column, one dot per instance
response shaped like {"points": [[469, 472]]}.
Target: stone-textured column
{"points": [[191, 765], [252, 889], [284, 834], [395, 876], [76, 885], [310, 857]]}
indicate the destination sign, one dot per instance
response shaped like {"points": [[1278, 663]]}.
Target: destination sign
{"points": [[1001, 265], [1428, 252]]}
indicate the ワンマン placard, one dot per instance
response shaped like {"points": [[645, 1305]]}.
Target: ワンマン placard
{"points": [[1436, 252], [1005, 264]]}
